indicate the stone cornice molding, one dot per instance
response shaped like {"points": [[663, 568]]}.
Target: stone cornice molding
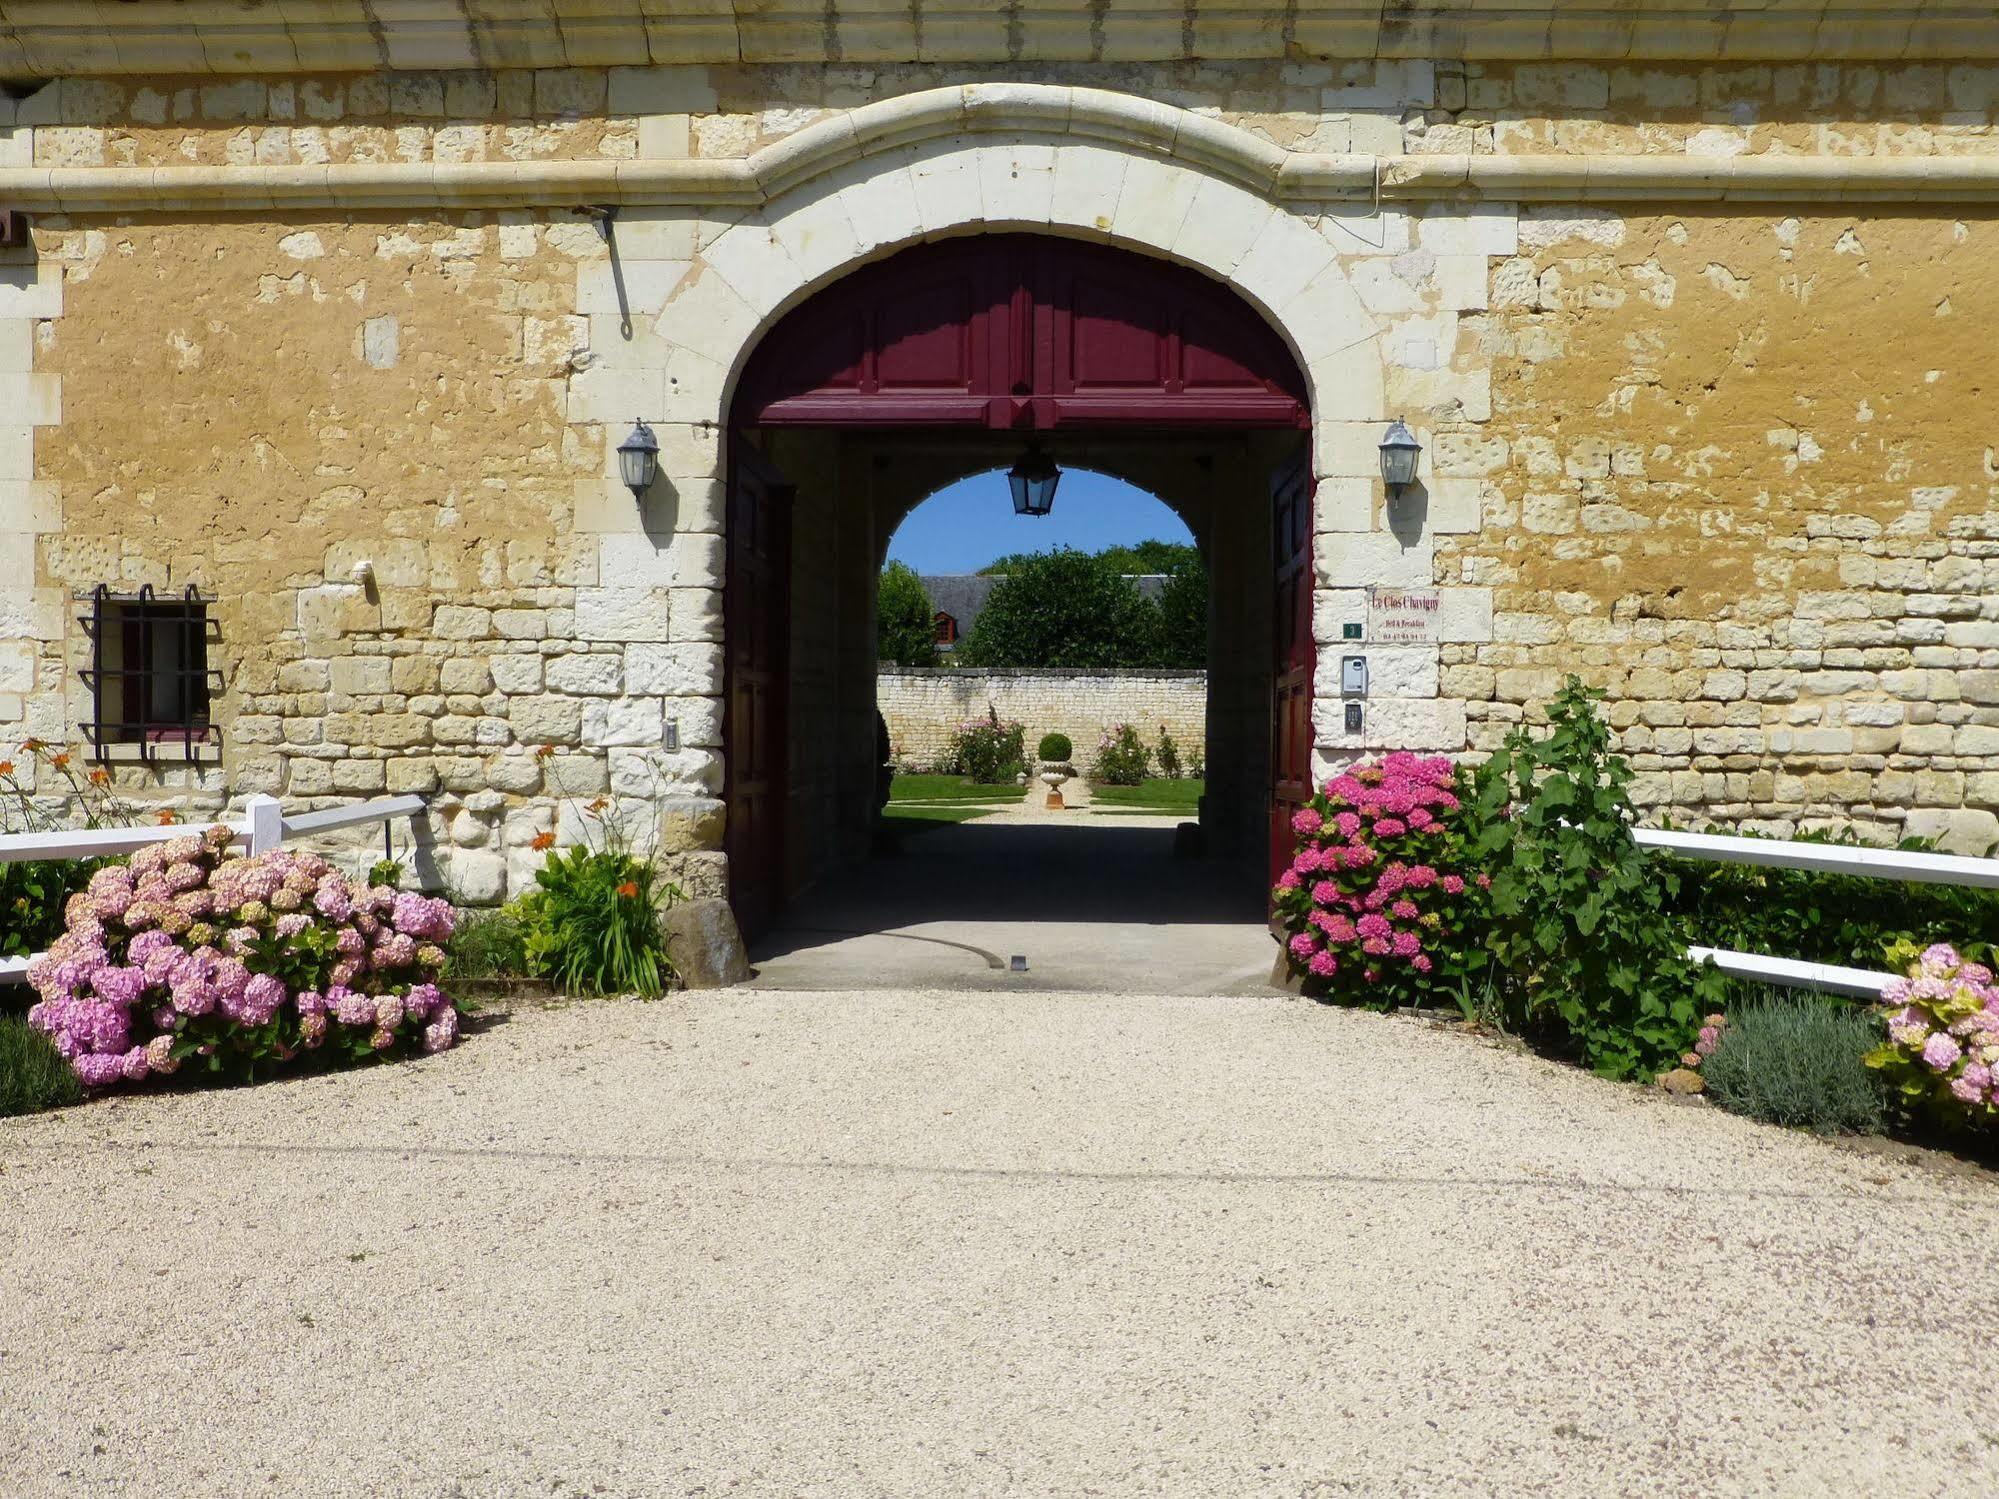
{"points": [[52, 38], [998, 114]]}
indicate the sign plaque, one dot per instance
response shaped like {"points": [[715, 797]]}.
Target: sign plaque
{"points": [[1404, 616]]}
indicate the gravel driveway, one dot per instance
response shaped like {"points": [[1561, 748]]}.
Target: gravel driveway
{"points": [[966, 1244]]}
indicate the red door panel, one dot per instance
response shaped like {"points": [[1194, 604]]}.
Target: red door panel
{"points": [[1294, 654], [756, 620], [1005, 329]]}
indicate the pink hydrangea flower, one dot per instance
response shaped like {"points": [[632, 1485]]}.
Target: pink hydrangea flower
{"points": [[1940, 1051]]}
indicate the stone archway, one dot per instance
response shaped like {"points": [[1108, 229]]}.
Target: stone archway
{"points": [[1078, 164], [961, 346]]}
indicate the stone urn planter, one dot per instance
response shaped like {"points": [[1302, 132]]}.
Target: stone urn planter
{"points": [[1052, 776], [1053, 752]]}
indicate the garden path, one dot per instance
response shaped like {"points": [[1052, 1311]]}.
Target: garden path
{"points": [[894, 1243]]}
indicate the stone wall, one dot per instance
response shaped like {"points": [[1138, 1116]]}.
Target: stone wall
{"points": [[924, 708], [1768, 524], [1733, 462]]}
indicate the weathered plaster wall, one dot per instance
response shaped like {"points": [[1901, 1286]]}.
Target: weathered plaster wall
{"points": [[1741, 473]]}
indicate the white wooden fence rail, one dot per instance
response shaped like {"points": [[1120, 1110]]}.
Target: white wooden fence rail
{"points": [[262, 827], [1780, 853]]}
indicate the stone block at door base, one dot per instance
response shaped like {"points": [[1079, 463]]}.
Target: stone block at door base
{"points": [[704, 944]]}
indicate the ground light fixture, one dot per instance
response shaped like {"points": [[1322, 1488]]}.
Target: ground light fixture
{"points": [[1033, 480], [1399, 452], [638, 459]]}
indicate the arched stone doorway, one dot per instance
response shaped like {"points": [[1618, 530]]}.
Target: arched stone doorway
{"points": [[938, 362]]}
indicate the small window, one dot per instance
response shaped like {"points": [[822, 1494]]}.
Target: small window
{"points": [[947, 629], [149, 677]]}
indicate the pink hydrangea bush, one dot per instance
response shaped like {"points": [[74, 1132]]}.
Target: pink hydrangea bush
{"points": [[1942, 1051], [1379, 904], [239, 965]]}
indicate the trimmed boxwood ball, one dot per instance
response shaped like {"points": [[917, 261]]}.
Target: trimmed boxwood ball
{"points": [[1799, 1062], [33, 1074], [1055, 749]]}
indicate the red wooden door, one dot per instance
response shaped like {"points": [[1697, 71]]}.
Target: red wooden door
{"points": [[757, 623], [1022, 330], [1294, 654], [1001, 332]]}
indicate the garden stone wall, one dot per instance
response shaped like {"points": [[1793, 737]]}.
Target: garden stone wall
{"points": [[923, 708]]}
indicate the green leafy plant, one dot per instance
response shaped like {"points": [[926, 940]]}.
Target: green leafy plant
{"points": [[592, 924], [32, 896], [387, 872], [1827, 918], [1590, 956], [989, 750], [487, 945], [1122, 757], [1168, 755], [33, 1074], [48, 793], [905, 624], [1798, 1061], [1055, 749]]}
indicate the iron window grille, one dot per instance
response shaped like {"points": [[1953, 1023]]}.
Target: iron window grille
{"points": [[150, 681]]}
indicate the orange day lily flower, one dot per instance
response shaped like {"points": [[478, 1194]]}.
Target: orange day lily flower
{"points": [[99, 776], [6, 767], [542, 841], [60, 760], [629, 889], [544, 752], [167, 817]]}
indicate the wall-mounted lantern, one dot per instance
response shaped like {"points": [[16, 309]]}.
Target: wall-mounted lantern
{"points": [[638, 460], [1033, 480], [1399, 452]]}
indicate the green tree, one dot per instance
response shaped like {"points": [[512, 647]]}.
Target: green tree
{"points": [[1183, 616], [905, 626], [1064, 609], [1132, 559]]}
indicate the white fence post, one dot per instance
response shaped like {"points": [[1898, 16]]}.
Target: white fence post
{"points": [[264, 819]]}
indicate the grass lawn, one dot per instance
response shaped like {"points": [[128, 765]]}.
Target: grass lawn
{"points": [[1156, 796], [905, 822], [930, 788]]}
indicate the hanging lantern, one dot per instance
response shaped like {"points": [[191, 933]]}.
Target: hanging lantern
{"points": [[638, 459], [1399, 452], [1033, 480]]}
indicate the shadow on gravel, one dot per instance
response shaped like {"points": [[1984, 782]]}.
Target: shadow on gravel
{"points": [[1091, 906]]}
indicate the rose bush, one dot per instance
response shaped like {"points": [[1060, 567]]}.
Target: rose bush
{"points": [[1380, 902], [239, 965], [988, 750], [1941, 1057]]}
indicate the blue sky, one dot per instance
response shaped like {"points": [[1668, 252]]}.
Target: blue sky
{"points": [[965, 525]]}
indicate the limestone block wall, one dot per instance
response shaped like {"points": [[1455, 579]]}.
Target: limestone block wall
{"points": [[1731, 460], [1775, 541], [923, 708]]}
